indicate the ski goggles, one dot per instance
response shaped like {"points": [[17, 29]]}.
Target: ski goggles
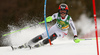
{"points": [[62, 11]]}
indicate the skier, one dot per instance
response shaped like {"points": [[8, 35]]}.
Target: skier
{"points": [[60, 29]]}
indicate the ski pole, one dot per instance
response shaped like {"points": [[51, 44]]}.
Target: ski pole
{"points": [[16, 31], [20, 29], [89, 39]]}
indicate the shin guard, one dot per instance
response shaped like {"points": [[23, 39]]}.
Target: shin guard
{"points": [[36, 39], [52, 37]]}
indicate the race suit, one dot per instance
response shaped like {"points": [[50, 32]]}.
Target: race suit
{"points": [[61, 27]]}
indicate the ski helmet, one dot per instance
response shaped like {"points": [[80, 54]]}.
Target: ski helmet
{"points": [[63, 7]]}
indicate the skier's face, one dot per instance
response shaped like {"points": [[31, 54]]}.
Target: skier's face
{"points": [[63, 13]]}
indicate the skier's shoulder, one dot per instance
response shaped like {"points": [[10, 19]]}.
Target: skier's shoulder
{"points": [[69, 15], [55, 15], [70, 18]]}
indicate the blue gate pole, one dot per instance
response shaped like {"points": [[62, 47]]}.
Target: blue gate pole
{"points": [[45, 21]]}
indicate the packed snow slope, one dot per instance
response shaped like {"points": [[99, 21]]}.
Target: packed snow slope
{"points": [[67, 47]]}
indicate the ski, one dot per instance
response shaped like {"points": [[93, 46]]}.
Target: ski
{"points": [[14, 48], [21, 47], [18, 47], [33, 47], [28, 46]]}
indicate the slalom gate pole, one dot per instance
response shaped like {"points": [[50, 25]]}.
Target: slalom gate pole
{"points": [[96, 33], [45, 21]]}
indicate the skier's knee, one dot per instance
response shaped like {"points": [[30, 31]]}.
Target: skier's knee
{"points": [[37, 38]]}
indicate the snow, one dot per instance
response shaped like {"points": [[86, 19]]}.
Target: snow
{"points": [[86, 24], [67, 47]]}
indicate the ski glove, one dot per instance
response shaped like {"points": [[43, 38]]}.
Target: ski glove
{"points": [[76, 39], [48, 19]]}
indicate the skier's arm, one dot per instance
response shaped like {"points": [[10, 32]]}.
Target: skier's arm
{"points": [[76, 40], [73, 27], [50, 18]]}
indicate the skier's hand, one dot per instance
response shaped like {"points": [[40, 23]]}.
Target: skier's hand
{"points": [[48, 19], [76, 39]]}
